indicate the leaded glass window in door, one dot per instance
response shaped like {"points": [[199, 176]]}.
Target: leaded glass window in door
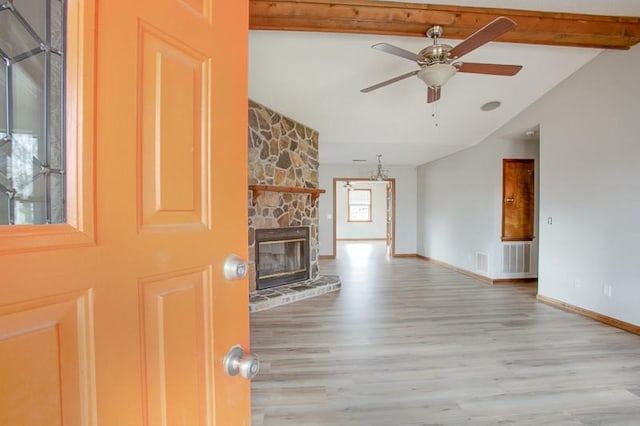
{"points": [[32, 112]]}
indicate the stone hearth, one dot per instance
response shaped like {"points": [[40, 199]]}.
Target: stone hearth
{"points": [[270, 298]]}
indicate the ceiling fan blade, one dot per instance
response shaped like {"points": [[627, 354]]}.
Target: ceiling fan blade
{"points": [[394, 50], [493, 69], [433, 94], [484, 35], [390, 81]]}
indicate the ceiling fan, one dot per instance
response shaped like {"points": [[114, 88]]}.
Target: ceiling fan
{"points": [[437, 64]]}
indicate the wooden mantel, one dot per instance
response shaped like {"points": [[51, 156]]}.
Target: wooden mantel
{"points": [[413, 19], [258, 189]]}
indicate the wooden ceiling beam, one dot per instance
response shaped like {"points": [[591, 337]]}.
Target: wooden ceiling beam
{"points": [[413, 19]]}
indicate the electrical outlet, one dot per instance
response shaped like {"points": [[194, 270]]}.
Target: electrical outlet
{"points": [[577, 283], [549, 220], [606, 290]]}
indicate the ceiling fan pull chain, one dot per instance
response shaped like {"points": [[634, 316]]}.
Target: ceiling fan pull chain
{"points": [[434, 113]]}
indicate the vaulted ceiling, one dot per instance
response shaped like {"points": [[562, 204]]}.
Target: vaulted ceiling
{"points": [[308, 59]]}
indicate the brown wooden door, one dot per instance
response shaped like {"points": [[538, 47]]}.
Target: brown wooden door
{"points": [[518, 199], [122, 316]]}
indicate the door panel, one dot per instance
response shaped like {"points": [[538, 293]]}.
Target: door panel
{"points": [[173, 146], [518, 200], [45, 348], [128, 323], [178, 337]]}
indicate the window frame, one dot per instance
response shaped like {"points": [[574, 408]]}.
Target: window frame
{"points": [[369, 206]]}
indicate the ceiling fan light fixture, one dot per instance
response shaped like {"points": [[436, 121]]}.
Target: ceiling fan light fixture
{"points": [[437, 74], [379, 174], [435, 60]]}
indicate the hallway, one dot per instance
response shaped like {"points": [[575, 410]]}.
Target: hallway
{"points": [[407, 342]]}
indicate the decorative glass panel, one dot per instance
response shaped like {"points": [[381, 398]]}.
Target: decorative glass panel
{"points": [[32, 184], [15, 37], [34, 12]]}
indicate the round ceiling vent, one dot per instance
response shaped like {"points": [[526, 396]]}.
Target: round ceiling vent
{"points": [[490, 106]]}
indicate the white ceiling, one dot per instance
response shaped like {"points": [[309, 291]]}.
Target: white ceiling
{"points": [[315, 78]]}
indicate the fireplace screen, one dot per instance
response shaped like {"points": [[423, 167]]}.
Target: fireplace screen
{"points": [[282, 256]]}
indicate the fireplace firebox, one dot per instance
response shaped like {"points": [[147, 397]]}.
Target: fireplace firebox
{"points": [[282, 256]]}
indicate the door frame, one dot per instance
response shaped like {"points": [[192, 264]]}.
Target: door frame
{"points": [[392, 186]]}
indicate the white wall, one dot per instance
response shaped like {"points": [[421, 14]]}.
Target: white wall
{"points": [[591, 172], [376, 228], [589, 185], [405, 177], [460, 204]]}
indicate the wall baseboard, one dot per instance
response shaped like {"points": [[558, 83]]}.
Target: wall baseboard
{"points": [[333, 256], [361, 239], [622, 325], [484, 279], [532, 281], [455, 268]]}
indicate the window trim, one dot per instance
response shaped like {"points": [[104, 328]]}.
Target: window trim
{"points": [[369, 205]]}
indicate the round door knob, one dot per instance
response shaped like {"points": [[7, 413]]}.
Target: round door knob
{"points": [[237, 361], [235, 268]]}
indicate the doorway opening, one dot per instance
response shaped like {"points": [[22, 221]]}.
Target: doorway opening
{"points": [[518, 251], [364, 209]]}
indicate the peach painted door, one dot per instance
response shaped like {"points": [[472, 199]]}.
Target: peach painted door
{"points": [[122, 316]]}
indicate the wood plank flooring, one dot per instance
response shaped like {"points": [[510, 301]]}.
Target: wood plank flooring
{"points": [[407, 342]]}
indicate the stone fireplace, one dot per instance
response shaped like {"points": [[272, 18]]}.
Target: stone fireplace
{"points": [[283, 155]]}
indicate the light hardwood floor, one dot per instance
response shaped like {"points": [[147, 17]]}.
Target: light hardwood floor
{"points": [[407, 342]]}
